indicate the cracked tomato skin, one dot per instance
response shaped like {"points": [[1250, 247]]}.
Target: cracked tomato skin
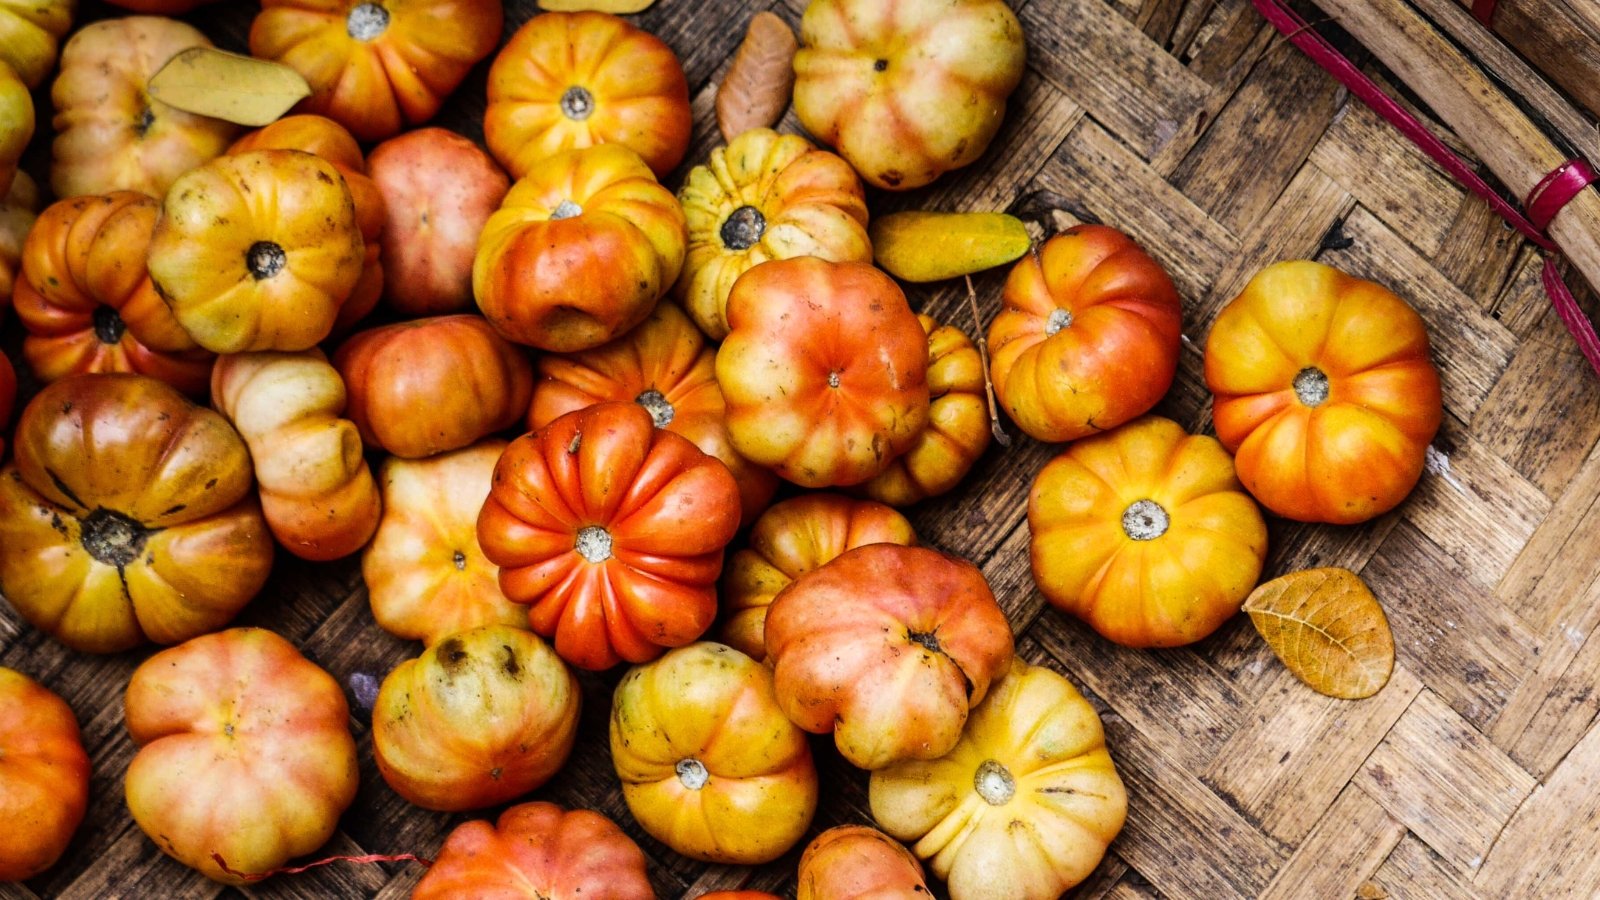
{"points": [[1325, 391], [128, 516], [44, 776], [612, 530], [854, 862], [1088, 336], [906, 89], [888, 647], [244, 752], [538, 851], [825, 370], [1025, 804]]}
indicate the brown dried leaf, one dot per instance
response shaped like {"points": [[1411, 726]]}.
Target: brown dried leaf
{"points": [[1328, 629], [756, 91], [238, 89]]}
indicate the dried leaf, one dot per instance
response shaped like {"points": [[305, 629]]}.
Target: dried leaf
{"points": [[1328, 629], [615, 7], [933, 246], [756, 91], [238, 89]]}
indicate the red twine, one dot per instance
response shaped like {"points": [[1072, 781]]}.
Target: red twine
{"points": [[1546, 199], [369, 858]]}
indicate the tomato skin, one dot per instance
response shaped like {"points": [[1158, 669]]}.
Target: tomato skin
{"points": [[44, 776], [854, 862]]}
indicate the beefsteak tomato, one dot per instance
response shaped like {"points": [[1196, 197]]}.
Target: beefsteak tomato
{"points": [[29, 34], [44, 776], [854, 862], [16, 124], [538, 851], [17, 208]]}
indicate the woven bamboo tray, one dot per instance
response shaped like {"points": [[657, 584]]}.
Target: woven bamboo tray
{"points": [[1188, 124]]}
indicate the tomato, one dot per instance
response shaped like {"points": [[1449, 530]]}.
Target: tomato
{"points": [[1325, 392], [17, 208], [377, 67], [825, 370], [579, 252], [16, 124], [612, 530], [128, 516], [431, 385], [1088, 336], [708, 762], [566, 81], [244, 752], [29, 32], [44, 776], [854, 862]]}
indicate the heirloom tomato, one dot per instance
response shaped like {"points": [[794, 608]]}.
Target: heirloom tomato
{"points": [[29, 32], [1025, 804], [1324, 391], [438, 191], [128, 516], [579, 252], [664, 366], [854, 862], [612, 530], [764, 196], [244, 753], [957, 432], [16, 124], [111, 135], [426, 577], [317, 493], [44, 776], [825, 370], [566, 81], [376, 68], [888, 647], [708, 762], [480, 718], [789, 540], [1088, 336], [17, 208], [1145, 533], [906, 89], [429, 385], [538, 851], [86, 299], [276, 274]]}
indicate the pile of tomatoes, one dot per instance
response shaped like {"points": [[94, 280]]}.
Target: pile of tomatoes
{"points": [[574, 507]]}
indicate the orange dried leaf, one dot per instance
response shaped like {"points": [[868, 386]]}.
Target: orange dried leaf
{"points": [[756, 91], [1328, 629]]}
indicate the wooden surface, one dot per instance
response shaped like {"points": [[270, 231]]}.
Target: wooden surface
{"points": [[1188, 124]]}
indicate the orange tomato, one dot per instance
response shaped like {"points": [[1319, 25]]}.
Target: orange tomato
{"points": [[44, 776], [854, 862], [538, 850]]}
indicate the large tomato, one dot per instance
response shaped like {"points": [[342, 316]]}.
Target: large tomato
{"points": [[825, 370], [17, 208], [16, 124], [1325, 392], [789, 540], [538, 851], [328, 139], [128, 516], [438, 191], [612, 529], [765, 196], [275, 275], [316, 490], [1088, 337], [377, 67], [854, 862], [887, 647], [44, 776], [665, 366], [86, 299], [1023, 807], [426, 577], [957, 432], [580, 251], [426, 386], [29, 32], [244, 753], [1145, 533], [708, 762], [906, 89], [567, 81], [480, 718], [111, 135]]}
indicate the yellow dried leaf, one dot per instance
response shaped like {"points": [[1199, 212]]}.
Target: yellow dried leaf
{"points": [[758, 84], [1328, 629], [933, 246], [238, 89], [615, 7]]}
